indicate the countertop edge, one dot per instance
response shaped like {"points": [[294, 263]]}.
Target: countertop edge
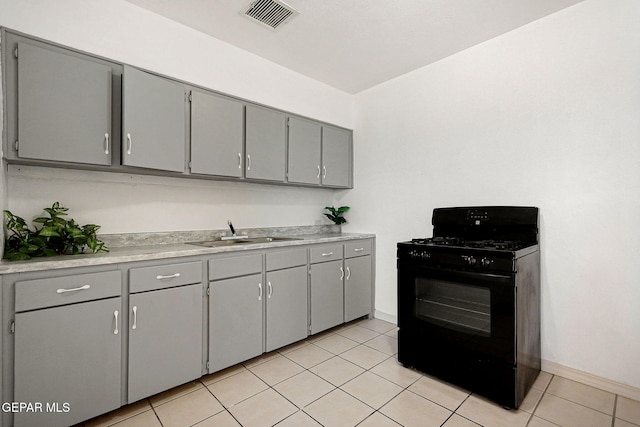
{"points": [[164, 251]]}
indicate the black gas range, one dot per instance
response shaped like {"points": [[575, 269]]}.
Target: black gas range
{"points": [[469, 303]]}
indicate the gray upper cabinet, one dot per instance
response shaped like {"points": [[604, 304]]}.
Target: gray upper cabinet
{"points": [[336, 157], [265, 144], [153, 121], [64, 107], [304, 154], [217, 127]]}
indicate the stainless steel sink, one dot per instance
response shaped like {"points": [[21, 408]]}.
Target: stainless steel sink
{"points": [[245, 241]]}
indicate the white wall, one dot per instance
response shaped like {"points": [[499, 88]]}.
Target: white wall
{"points": [[547, 115], [127, 203]]}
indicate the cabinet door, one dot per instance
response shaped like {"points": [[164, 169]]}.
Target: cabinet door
{"points": [[165, 339], [153, 121], [326, 295], [304, 151], [265, 144], [235, 316], [287, 310], [357, 287], [217, 125], [68, 355], [64, 107], [336, 157]]}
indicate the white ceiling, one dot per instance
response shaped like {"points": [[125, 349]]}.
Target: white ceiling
{"points": [[353, 45]]}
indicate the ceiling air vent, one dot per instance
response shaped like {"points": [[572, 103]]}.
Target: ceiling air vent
{"points": [[271, 13]]}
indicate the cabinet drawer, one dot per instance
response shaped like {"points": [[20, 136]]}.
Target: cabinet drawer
{"points": [[277, 260], [234, 266], [164, 276], [326, 253], [357, 248], [49, 292]]}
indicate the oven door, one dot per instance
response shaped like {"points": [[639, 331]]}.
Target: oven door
{"points": [[457, 312]]}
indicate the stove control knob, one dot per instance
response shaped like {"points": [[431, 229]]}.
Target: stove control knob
{"points": [[425, 255], [471, 260], [486, 262]]}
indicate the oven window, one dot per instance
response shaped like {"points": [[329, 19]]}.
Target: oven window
{"points": [[463, 308]]}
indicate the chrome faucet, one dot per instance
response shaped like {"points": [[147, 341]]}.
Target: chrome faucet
{"points": [[233, 236]]}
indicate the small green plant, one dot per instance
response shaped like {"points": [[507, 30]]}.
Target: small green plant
{"points": [[57, 236], [336, 214]]}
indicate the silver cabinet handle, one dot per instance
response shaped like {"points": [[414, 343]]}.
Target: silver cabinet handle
{"points": [[106, 143], [358, 250], [248, 162], [324, 172], [327, 253], [270, 290], [259, 291], [129, 143], [171, 276], [318, 172], [135, 317], [239, 160], [348, 273], [115, 314], [341, 273], [81, 288]]}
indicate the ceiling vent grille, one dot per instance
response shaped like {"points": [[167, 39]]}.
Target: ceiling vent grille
{"points": [[271, 13]]}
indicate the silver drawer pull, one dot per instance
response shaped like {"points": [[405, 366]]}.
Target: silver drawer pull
{"points": [[129, 143], [248, 162], [135, 317], [81, 288], [348, 273], [327, 253], [106, 143], [171, 276], [270, 288], [239, 160], [341, 273], [358, 250], [115, 314], [259, 291], [318, 172]]}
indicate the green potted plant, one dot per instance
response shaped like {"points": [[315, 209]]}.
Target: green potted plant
{"points": [[57, 236], [335, 215]]}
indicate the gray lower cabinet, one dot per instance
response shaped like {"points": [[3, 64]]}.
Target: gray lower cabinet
{"points": [[165, 327], [287, 310], [304, 153], [153, 121], [68, 357], [326, 275], [217, 129], [357, 287], [236, 292], [165, 339], [64, 107], [336, 157], [265, 144]]}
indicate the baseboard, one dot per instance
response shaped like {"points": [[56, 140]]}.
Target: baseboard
{"points": [[386, 317], [592, 380]]}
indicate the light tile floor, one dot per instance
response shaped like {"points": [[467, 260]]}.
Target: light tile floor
{"points": [[349, 376]]}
